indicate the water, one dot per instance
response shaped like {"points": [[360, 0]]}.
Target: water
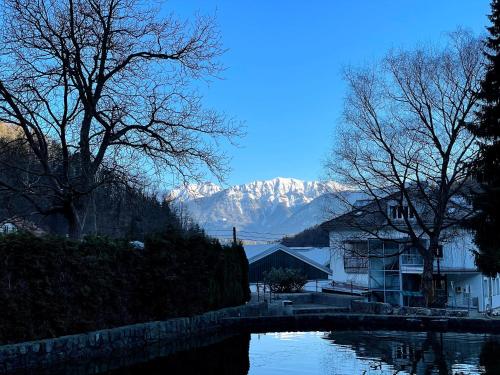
{"points": [[339, 352], [371, 353]]}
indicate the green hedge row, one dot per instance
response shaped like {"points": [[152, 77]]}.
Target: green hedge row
{"points": [[52, 286]]}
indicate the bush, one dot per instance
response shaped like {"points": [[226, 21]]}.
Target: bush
{"points": [[53, 286], [285, 280]]}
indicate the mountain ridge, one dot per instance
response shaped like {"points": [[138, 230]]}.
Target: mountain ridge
{"points": [[282, 206]]}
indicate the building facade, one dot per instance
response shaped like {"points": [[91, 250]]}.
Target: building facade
{"points": [[392, 269]]}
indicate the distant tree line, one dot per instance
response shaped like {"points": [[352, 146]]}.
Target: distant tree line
{"points": [[314, 237], [119, 208]]}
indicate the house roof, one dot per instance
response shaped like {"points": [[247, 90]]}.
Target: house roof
{"points": [[365, 216], [320, 255], [371, 214], [315, 257]]}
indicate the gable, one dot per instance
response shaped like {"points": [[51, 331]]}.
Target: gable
{"points": [[283, 259]]}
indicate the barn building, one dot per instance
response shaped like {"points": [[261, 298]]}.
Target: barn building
{"points": [[312, 262]]}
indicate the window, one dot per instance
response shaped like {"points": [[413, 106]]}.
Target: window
{"points": [[355, 264], [394, 212], [411, 255], [399, 212], [355, 259], [439, 252]]}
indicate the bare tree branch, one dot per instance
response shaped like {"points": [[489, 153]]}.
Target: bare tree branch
{"points": [[404, 140], [107, 84]]}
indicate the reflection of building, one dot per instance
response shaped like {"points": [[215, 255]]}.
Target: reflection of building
{"points": [[391, 266], [415, 353]]}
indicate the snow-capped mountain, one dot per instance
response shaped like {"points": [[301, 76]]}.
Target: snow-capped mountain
{"points": [[193, 191], [278, 206]]}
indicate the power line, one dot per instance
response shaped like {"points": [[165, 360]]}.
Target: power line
{"points": [[228, 237], [247, 231], [249, 238], [274, 234]]}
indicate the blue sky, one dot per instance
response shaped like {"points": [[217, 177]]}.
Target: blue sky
{"points": [[284, 64]]}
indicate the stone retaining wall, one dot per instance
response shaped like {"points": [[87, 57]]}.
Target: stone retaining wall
{"points": [[329, 322], [364, 307], [112, 342], [337, 300], [118, 347]]}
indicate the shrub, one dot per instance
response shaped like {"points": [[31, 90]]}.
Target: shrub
{"points": [[52, 286], [285, 280]]}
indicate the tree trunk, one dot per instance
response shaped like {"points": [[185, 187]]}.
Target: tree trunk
{"points": [[428, 274], [74, 231], [427, 284], [73, 220]]}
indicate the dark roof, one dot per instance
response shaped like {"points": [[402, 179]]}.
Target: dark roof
{"points": [[367, 216], [371, 216], [256, 252]]}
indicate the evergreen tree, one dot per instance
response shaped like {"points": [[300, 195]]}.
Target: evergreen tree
{"points": [[487, 202]]}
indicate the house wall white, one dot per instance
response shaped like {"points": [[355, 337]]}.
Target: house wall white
{"points": [[457, 263], [491, 291], [458, 249], [459, 287], [337, 250]]}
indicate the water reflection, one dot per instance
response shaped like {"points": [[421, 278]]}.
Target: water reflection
{"points": [[332, 353], [490, 357], [421, 352], [378, 352]]}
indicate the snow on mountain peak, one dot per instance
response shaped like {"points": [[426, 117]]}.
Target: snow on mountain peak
{"points": [[193, 191], [279, 205]]}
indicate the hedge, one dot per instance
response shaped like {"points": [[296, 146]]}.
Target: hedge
{"points": [[52, 286]]}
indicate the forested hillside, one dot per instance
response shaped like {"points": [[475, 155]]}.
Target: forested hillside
{"points": [[315, 237], [119, 207]]}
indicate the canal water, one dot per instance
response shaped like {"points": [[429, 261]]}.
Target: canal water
{"points": [[339, 352]]}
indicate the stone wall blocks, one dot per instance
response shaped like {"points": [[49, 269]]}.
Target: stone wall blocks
{"points": [[424, 311], [113, 342]]}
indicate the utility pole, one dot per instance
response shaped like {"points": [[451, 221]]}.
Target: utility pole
{"points": [[234, 235]]}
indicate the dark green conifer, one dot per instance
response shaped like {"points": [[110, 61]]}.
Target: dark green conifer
{"points": [[487, 202]]}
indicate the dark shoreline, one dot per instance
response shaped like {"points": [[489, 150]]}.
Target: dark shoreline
{"points": [[343, 321]]}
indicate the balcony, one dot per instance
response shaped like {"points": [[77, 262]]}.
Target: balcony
{"points": [[412, 263], [412, 260]]}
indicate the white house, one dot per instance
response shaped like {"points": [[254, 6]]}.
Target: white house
{"points": [[392, 269]]}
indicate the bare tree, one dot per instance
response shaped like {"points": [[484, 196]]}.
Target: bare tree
{"points": [[404, 139], [103, 89]]}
